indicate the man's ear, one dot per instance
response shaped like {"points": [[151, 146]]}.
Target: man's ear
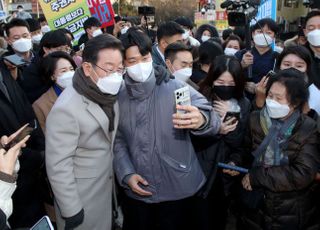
{"points": [[169, 65], [87, 68], [163, 44]]}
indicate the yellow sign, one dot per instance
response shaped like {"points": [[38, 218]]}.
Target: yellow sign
{"points": [[69, 14]]}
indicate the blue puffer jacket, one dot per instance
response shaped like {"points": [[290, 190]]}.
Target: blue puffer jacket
{"points": [[149, 145]]}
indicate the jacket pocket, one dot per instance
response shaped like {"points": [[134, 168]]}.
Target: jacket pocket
{"points": [[179, 166], [85, 173]]}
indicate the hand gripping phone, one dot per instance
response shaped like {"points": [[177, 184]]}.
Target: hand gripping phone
{"points": [[182, 97]]}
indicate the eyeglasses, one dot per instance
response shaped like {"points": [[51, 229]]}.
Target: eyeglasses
{"points": [[121, 71]]}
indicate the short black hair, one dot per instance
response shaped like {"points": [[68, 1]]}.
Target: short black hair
{"points": [[49, 64], [19, 6], [67, 32], [184, 21], [16, 22], [174, 48], [136, 37], [233, 37], [293, 80], [300, 51], [220, 65], [42, 19], [311, 14], [168, 29], [34, 25], [53, 39], [96, 44], [226, 33], [270, 23], [213, 31], [90, 22], [208, 51]]}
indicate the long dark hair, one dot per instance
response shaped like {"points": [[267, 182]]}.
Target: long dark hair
{"points": [[220, 65]]}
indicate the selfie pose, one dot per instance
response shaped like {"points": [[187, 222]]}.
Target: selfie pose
{"points": [[154, 158]]}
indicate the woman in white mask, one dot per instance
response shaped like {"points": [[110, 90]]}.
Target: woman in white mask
{"points": [[232, 45], [205, 32], [261, 56], [57, 69], [297, 57], [283, 140]]}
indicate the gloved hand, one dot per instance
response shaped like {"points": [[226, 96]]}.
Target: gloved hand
{"points": [[162, 74], [74, 221]]}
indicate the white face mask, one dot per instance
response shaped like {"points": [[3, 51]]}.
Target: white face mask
{"points": [[36, 38], [97, 33], [140, 72], [278, 49], [124, 30], [276, 110], [183, 74], [65, 79], [22, 45], [110, 84], [314, 37], [45, 29], [263, 40], [186, 35], [230, 51], [205, 38]]}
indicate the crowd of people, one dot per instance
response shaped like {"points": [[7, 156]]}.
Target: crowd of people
{"points": [[109, 147]]}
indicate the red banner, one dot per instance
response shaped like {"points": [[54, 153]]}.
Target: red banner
{"points": [[102, 10]]}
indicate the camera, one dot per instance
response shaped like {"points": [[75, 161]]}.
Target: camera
{"points": [[146, 10], [240, 12]]}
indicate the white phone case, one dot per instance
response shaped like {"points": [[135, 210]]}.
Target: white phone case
{"points": [[182, 97]]}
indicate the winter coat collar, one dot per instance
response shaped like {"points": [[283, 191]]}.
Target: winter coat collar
{"points": [[140, 90]]}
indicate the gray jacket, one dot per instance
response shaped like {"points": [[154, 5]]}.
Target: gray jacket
{"points": [[147, 143]]}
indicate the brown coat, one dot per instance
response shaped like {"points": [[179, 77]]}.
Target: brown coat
{"points": [[43, 106]]}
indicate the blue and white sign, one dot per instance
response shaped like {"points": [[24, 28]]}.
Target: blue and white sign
{"points": [[267, 9]]}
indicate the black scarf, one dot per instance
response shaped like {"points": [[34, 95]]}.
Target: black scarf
{"points": [[86, 87]]}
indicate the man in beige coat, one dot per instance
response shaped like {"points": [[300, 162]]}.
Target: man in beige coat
{"points": [[79, 138]]}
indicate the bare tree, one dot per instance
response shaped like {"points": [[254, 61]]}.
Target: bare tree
{"points": [[171, 9]]}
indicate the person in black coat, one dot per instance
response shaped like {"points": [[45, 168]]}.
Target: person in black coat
{"points": [[16, 111], [224, 87], [278, 190], [31, 81]]}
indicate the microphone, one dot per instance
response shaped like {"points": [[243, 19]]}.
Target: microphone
{"points": [[226, 4]]}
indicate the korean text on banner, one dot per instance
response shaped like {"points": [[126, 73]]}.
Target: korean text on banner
{"points": [[267, 9], [69, 14], [103, 11]]}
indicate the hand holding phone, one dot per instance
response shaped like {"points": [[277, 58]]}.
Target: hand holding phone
{"points": [[15, 60], [9, 142], [9, 158], [182, 97], [229, 115]]}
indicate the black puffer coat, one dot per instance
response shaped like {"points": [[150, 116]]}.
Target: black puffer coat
{"points": [[288, 202]]}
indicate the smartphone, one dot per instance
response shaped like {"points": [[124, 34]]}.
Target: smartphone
{"points": [[231, 115], [233, 167], [25, 132], [15, 60], [182, 97], [81, 47], [43, 224], [271, 73]]}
